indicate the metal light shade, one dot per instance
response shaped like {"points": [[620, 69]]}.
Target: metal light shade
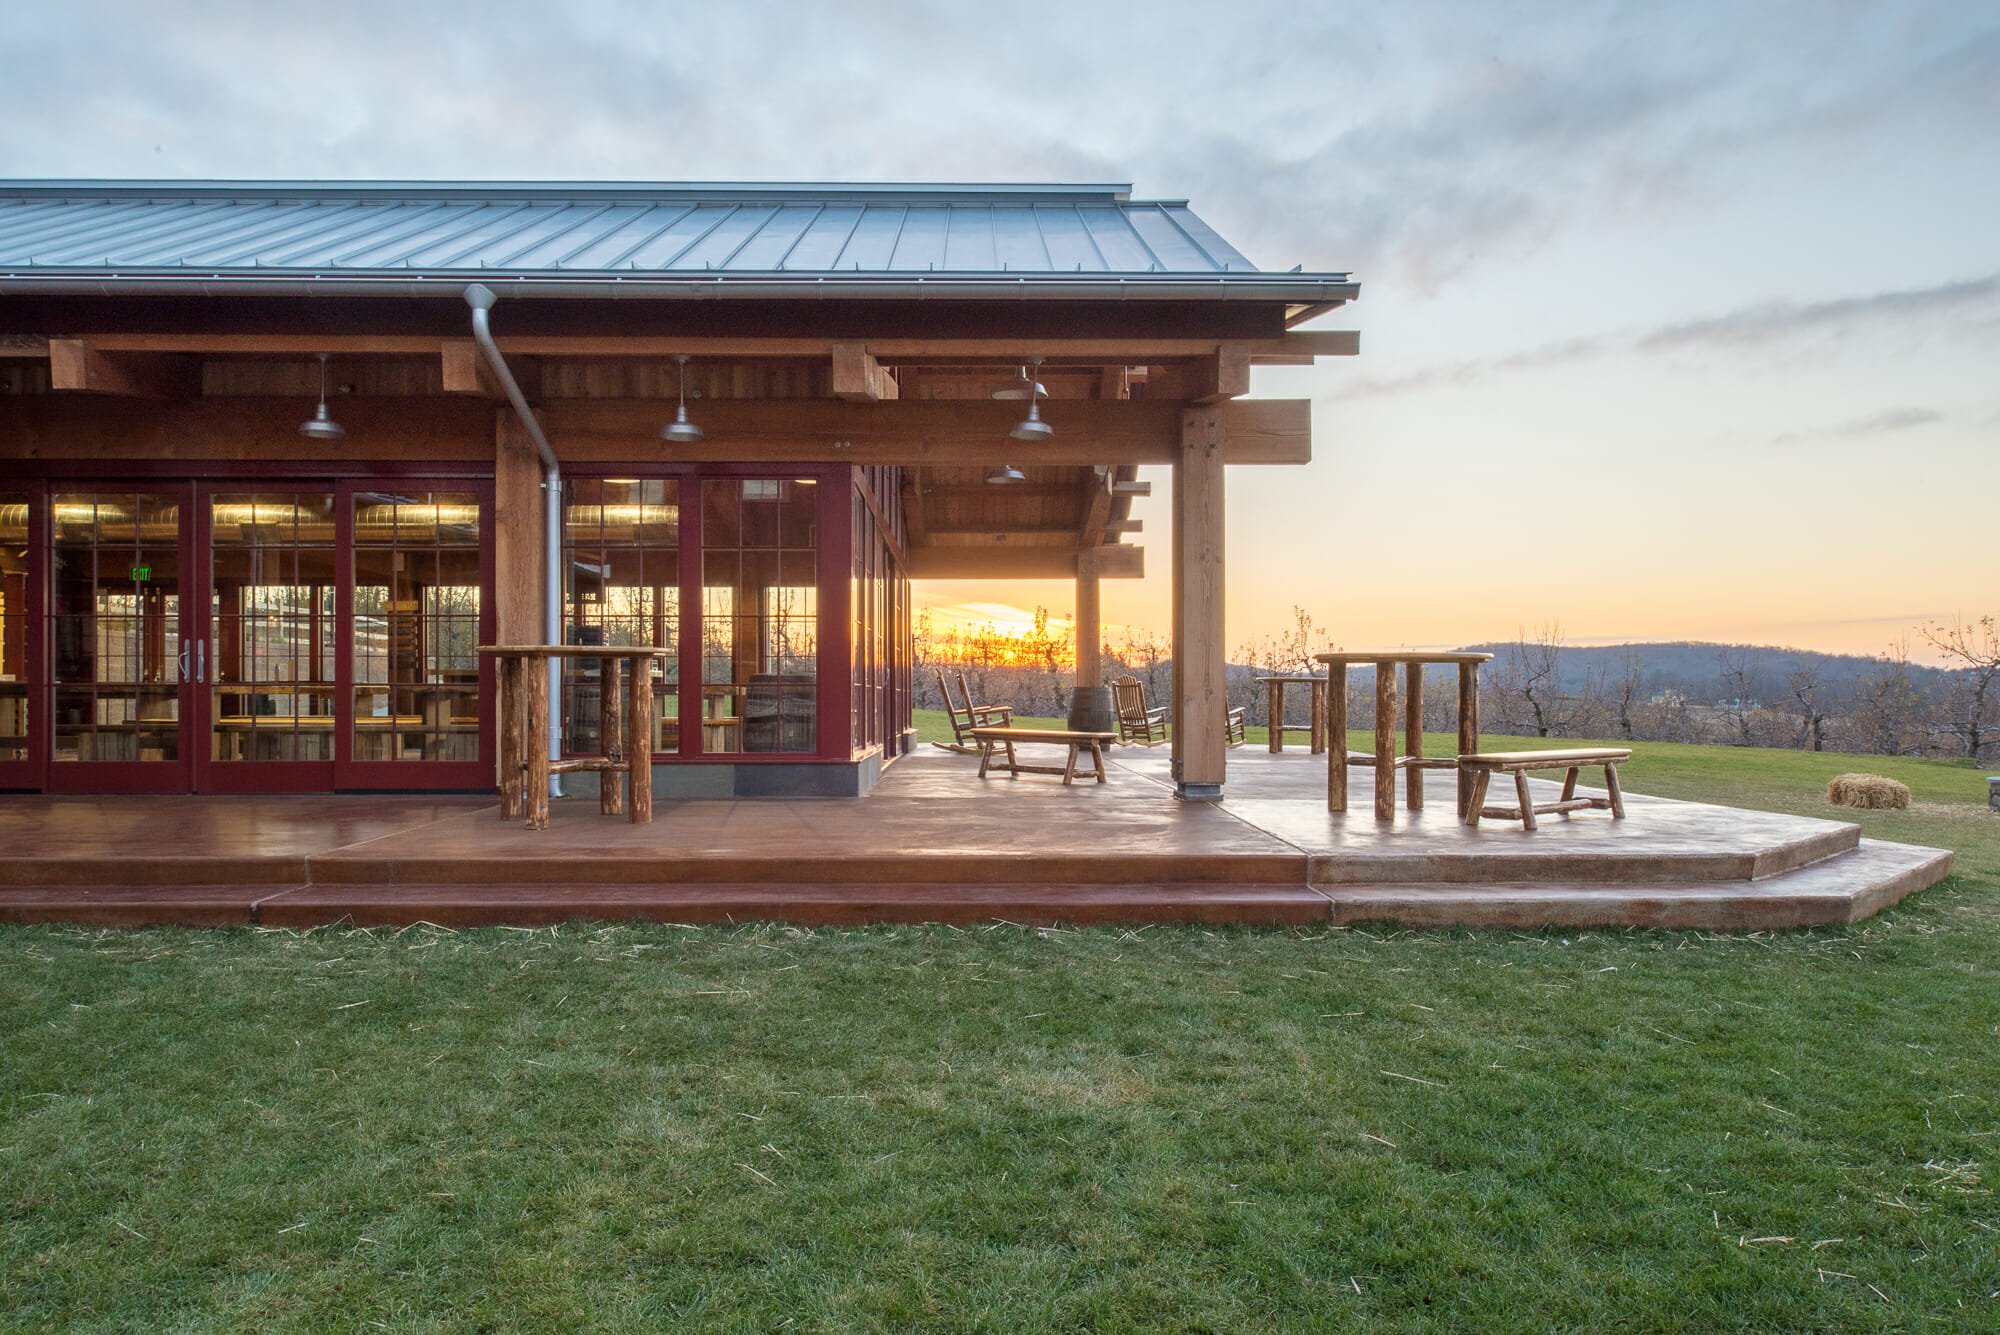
{"points": [[320, 426], [1005, 475], [1034, 428], [680, 431], [1022, 386]]}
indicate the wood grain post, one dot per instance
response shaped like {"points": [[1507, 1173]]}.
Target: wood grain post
{"points": [[1413, 733], [1201, 693], [1336, 737], [612, 674], [1385, 741], [639, 738], [1318, 692], [1089, 625], [535, 681], [513, 718], [1276, 710], [1468, 728]]}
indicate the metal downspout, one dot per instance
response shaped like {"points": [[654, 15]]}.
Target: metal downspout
{"points": [[481, 299]]}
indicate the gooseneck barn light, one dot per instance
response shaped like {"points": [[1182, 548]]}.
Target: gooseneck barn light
{"points": [[1004, 475], [1022, 386], [1033, 428], [320, 426], [680, 431]]}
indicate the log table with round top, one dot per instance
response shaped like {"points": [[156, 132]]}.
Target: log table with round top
{"points": [[1414, 762], [525, 762], [1316, 729]]}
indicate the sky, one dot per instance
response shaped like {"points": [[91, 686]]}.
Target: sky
{"points": [[1701, 300]]}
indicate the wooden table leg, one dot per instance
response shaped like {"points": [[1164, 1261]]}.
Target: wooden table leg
{"points": [[639, 739], [513, 718], [611, 733], [1069, 766], [1468, 729], [1385, 741], [1318, 693], [535, 774], [1527, 802], [1413, 733], [1097, 760], [1477, 798], [1277, 693], [985, 754], [1612, 791], [1336, 737]]}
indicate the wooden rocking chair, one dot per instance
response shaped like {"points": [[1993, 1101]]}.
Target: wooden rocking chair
{"points": [[1143, 725], [965, 716]]}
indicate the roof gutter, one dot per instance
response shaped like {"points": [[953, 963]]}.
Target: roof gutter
{"points": [[1291, 289], [481, 300]]}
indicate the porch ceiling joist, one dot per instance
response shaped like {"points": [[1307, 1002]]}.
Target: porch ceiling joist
{"points": [[1113, 561]]}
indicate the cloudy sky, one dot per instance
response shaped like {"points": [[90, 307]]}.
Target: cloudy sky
{"points": [[1706, 296]]}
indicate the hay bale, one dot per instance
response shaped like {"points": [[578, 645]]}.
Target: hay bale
{"points": [[1868, 790]]}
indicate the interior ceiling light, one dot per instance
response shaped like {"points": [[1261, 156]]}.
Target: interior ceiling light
{"points": [[680, 431], [319, 426], [1033, 428], [1004, 475], [1022, 386]]}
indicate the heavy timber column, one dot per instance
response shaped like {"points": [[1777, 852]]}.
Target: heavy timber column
{"points": [[1090, 702], [1201, 697], [517, 540]]}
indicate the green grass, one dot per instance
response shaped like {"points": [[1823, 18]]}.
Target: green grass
{"points": [[652, 1128]]}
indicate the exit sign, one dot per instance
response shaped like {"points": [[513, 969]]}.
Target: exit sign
{"points": [[140, 574]]}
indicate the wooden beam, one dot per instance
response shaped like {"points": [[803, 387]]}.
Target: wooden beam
{"points": [[1223, 375], [1114, 561], [1201, 687], [1096, 512], [1126, 486], [858, 377], [466, 371], [1124, 526], [78, 366], [1301, 347], [916, 520], [953, 434]]}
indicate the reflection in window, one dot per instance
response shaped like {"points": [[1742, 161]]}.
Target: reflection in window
{"points": [[621, 586], [272, 625], [759, 616], [416, 626], [13, 626], [115, 635]]}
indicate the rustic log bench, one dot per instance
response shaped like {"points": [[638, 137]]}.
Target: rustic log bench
{"points": [[1483, 766], [992, 739]]}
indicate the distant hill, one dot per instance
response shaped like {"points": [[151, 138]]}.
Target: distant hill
{"points": [[1694, 668]]}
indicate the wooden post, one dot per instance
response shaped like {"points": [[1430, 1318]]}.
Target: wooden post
{"points": [[1385, 741], [535, 678], [1336, 737], [1468, 728], [639, 738], [517, 550], [611, 677], [1277, 713], [1089, 625], [513, 718], [1318, 692], [1201, 696], [1413, 733]]}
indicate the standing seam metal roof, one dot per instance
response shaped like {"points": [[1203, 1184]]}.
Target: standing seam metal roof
{"points": [[581, 233]]}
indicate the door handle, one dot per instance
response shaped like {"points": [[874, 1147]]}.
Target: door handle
{"points": [[200, 661], [184, 660]]}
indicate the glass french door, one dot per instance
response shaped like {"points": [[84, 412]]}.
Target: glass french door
{"points": [[257, 637], [124, 654]]}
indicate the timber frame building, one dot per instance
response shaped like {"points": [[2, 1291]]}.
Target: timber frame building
{"points": [[195, 597]]}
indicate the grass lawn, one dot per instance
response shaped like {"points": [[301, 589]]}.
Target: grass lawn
{"points": [[662, 1129]]}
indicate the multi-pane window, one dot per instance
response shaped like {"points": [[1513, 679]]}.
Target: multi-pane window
{"points": [[115, 626], [13, 625], [760, 615], [272, 625], [416, 625], [621, 586]]}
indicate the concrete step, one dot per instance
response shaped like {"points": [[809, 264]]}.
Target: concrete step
{"points": [[1840, 889]]}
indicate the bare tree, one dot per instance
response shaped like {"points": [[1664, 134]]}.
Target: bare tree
{"points": [[1888, 709], [1738, 665], [1811, 694], [1973, 648], [1528, 685], [1625, 694]]}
